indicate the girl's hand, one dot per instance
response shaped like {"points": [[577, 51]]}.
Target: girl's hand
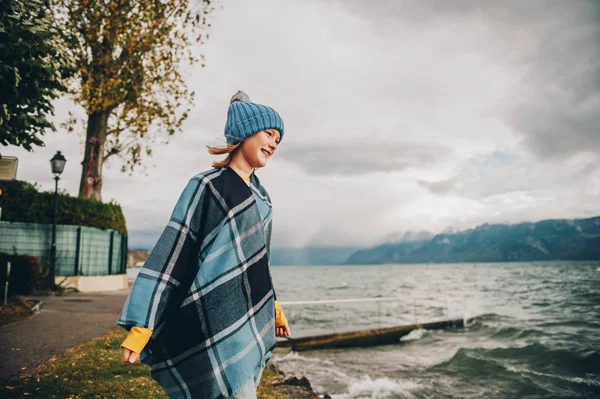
{"points": [[129, 356], [283, 331]]}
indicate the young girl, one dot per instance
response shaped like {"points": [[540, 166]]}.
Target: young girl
{"points": [[202, 311]]}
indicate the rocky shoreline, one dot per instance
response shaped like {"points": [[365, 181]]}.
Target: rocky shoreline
{"points": [[293, 387]]}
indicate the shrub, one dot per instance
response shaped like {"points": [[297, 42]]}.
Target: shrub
{"points": [[23, 202]]}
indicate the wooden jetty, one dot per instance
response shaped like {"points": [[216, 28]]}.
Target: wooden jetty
{"points": [[379, 336]]}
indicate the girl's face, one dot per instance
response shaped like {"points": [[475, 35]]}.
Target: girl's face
{"points": [[258, 148]]}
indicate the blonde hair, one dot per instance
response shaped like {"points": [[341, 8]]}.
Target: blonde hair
{"points": [[228, 149]]}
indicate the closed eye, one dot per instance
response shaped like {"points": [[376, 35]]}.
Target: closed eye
{"points": [[270, 133]]}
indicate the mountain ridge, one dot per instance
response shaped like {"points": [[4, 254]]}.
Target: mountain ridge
{"points": [[552, 239]]}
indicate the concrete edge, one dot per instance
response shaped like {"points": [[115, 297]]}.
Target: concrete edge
{"points": [[94, 283], [38, 306]]}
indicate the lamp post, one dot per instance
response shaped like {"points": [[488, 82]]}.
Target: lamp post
{"points": [[58, 164]]}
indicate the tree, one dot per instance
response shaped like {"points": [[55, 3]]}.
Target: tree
{"points": [[128, 54], [31, 70]]}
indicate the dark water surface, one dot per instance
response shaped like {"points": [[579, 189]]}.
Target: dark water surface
{"points": [[534, 330]]}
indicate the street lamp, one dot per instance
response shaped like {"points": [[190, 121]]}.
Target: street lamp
{"points": [[58, 164]]}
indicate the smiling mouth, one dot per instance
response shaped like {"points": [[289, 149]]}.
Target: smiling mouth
{"points": [[266, 153]]}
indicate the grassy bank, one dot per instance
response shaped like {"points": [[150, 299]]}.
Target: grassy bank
{"points": [[96, 370], [17, 308]]}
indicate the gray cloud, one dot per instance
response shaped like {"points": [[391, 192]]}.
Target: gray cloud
{"points": [[493, 175], [445, 186], [143, 239], [557, 110], [363, 157], [554, 46]]}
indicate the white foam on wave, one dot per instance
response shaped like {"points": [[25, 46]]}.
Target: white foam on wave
{"points": [[367, 388], [414, 335], [577, 380], [296, 357]]}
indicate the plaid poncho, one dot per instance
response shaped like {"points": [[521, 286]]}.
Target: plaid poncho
{"points": [[206, 291]]}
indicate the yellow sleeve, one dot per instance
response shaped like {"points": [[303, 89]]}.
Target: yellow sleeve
{"points": [[137, 339], [280, 319]]}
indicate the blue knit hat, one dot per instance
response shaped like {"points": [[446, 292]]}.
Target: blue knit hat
{"points": [[244, 118]]}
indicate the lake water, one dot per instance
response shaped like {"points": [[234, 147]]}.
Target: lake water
{"points": [[535, 331]]}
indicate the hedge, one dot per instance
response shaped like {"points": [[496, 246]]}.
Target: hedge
{"points": [[23, 202]]}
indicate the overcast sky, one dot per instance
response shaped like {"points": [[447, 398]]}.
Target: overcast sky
{"points": [[399, 115]]}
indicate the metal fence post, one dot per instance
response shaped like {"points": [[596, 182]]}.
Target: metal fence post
{"points": [[110, 252], [124, 241], [77, 252], [6, 284]]}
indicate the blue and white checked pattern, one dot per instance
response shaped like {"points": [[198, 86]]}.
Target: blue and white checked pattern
{"points": [[246, 118], [206, 291]]}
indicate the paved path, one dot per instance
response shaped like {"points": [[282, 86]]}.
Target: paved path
{"points": [[62, 323]]}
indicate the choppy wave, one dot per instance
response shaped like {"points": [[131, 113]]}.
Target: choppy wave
{"points": [[367, 388], [513, 333], [414, 335], [590, 380], [531, 331], [536, 355], [295, 356]]}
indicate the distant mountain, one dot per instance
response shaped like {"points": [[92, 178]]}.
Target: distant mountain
{"points": [[563, 239], [136, 256], [310, 256], [408, 236], [396, 246]]}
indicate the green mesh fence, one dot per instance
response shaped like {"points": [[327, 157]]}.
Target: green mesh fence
{"points": [[80, 251]]}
